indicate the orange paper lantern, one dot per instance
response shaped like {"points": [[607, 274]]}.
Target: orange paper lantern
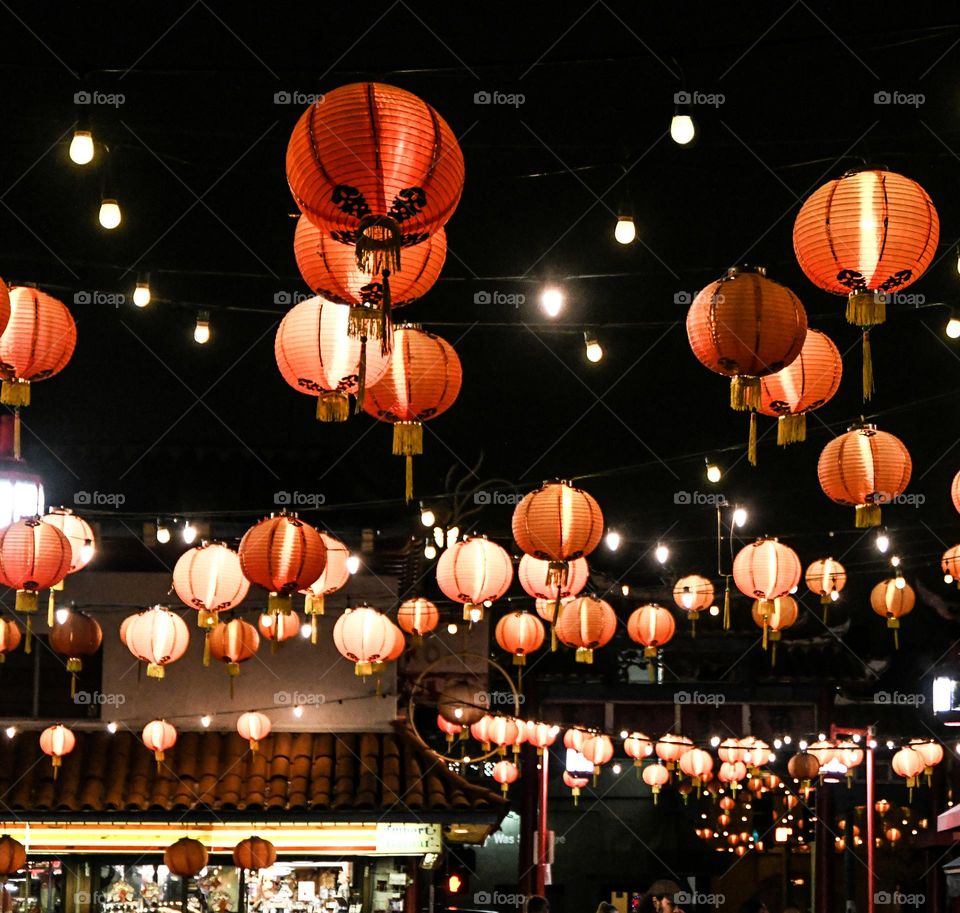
{"points": [[78, 635], [159, 736], [418, 616], [653, 626], [363, 636], [696, 764], [57, 741], [79, 534], [233, 642], [519, 633], [693, 594], [278, 628], [638, 746], [185, 857], [892, 599], [533, 574], [586, 623], [9, 637], [209, 578], [826, 578], [774, 616], [575, 784], [950, 564], [254, 853], [254, 727], [472, 572], [335, 575], [541, 735], [766, 569], [157, 637], [505, 773], [656, 776]]}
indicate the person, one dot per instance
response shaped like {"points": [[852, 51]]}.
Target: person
{"points": [[536, 903], [605, 907], [662, 892]]}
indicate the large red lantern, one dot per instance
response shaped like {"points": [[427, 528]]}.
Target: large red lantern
{"points": [[159, 736], [519, 633], [693, 594], [317, 355], [807, 383], [766, 569], [892, 599], [377, 167], [9, 637], [472, 572], [157, 637], [586, 624], [864, 468], [422, 381], [37, 342], [57, 741], [282, 554], [78, 635], [865, 234], [209, 578], [254, 727], [418, 617], [234, 642], [13, 855], [363, 636]]}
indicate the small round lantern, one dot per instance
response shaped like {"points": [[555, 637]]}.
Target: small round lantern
{"points": [[159, 737], [696, 764], [575, 784], [9, 637], [418, 617], [506, 732], [930, 751], [950, 564], [79, 534], [541, 735], [78, 635], [656, 776], [534, 572], [157, 637], [597, 748], [505, 773], [519, 633], [638, 746], [57, 741], [254, 853], [234, 642], [774, 616], [472, 572], [586, 624], [892, 599], [335, 575], [652, 626], [805, 767], [693, 594], [826, 578], [908, 764], [209, 578], [451, 730], [732, 773], [362, 635], [480, 729], [185, 857], [765, 570], [670, 747], [731, 750], [254, 727], [278, 628]]}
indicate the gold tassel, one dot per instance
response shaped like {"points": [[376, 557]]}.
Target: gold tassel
{"points": [[553, 638], [894, 625], [408, 479], [27, 601], [361, 376], [825, 602], [867, 515], [752, 441], [333, 406], [726, 607], [314, 605], [155, 670], [17, 436], [206, 649], [50, 609], [866, 309], [279, 604], [791, 429], [868, 385], [765, 633], [693, 624], [386, 336], [407, 439], [313, 629], [362, 669], [584, 655], [519, 659], [15, 393], [57, 761], [28, 641], [378, 244], [744, 392], [774, 637]]}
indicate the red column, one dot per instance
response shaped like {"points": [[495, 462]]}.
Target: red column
{"points": [[542, 829]]}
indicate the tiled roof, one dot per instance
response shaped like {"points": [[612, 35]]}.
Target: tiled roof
{"points": [[314, 775]]}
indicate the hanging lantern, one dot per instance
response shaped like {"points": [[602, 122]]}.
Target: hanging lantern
{"points": [[765, 570], [864, 468], [335, 575], [458, 703], [547, 609], [807, 383], [472, 572], [533, 574], [422, 381], [57, 741], [587, 624], [731, 750], [418, 617], [805, 767], [159, 736], [541, 735], [756, 754], [79, 534], [282, 554], [656, 776], [185, 857], [78, 635], [377, 167], [908, 764], [931, 752], [868, 233], [506, 732], [317, 356], [9, 637], [330, 269], [774, 616], [955, 492], [234, 642], [480, 730], [652, 626], [575, 784], [638, 746], [452, 731], [36, 343], [670, 747], [881, 806], [362, 635], [892, 599], [519, 633], [278, 628], [696, 764], [693, 594], [573, 739], [746, 326], [13, 856], [851, 756], [950, 564], [157, 637], [254, 853], [254, 727], [732, 773], [597, 748], [33, 556], [396, 644], [505, 773], [825, 578]]}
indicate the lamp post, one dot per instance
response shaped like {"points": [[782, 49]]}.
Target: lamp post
{"points": [[869, 742]]}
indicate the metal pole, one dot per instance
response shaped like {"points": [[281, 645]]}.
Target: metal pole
{"points": [[542, 831], [871, 812]]}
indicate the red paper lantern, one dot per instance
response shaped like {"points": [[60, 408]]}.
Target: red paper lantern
{"points": [[558, 524], [317, 356], [908, 764], [732, 772], [731, 751], [57, 741], [480, 730], [157, 637], [929, 750], [185, 857], [892, 599], [78, 635], [505, 773], [807, 383], [864, 468], [472, 572], [586, 623], [13, 855], [597, 749], [422, 381], [693, 594], [637, 746], [396, 644], [547, 608], [37, 342], [335, 575], [159, 736], [519, 633], [506, 732], [282, 554], [541, 735], [950, 563], [575, 784], [774, 616], [826, 577], [9, 637], [573, 739], [651, 625], [363, 636], [418, 616], [254, 727], [533, 573], [765, 570], [79, 534], [450, 730], [377, 167], [670, 746], [656, 776], [254, 854], [278, 628], [955, 491], [696, 764], [233, 642], [209, 578]]}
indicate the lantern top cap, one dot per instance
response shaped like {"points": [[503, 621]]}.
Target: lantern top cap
{"points": [[863, 427], [735, 271]]}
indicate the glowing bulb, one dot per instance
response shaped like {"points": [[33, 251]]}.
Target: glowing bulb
{"points": [[626, 231], [616, 769], [111, 727], [948, 578], [551, 300], [883, 542], [803, 745], [740, 516], [353, 564], [201, 332], [86, 551], [625, 589], [714, 610], [713, 473], [900, 583], [305, 631], [205, 721], [856, 738], [81, 147], [163, 534], [787, 739], [682, 130], [141, 294], [953, 328], [266, 621], [594, 349], [612, 540], [438, 536], [430, 551], [715, 741], [452, 628], [662, 553], [189, 532], [298, 711], [427, 517], [794, 589], [11, 731], [475, 615], [834, 595], [62, 615], [624, 733], [778, 743], [895, 561], [110, 216], [452, 535]]}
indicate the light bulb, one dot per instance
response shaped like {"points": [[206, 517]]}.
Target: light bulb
{"points": [[953, 328], [353, 564], [438, 536], [86, 551], [551, 300], [189, 532], [305, 631], [110, 216], [298, 711], [739, 516], [427, 517], [452, 628], [163, 534], [81, 147], [62, 615], [201, 332], [787, 739], [452, 535], [594, 349], [713, 473], [794, 589], [112, 727], [715, 741], [11, 731], [900, 583], [475, 615], [430, 551], [612, 540], [616, 769], [883, 542], [948, 578], [205, 721], [834, 595], [714, 610], [662, 553], [141, 294], [266, 621], [626, 230], [682, 130], [625, 589], [777, 743]]}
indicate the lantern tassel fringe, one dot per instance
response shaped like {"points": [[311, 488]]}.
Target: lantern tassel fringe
{"points": [[15, 393], [744, 393], [868, 385], [866, 309], [333, 406], [752, 440], [791, 429], [867, 515]]}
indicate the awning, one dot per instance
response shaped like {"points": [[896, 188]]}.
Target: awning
{"points": [[949, 820]]}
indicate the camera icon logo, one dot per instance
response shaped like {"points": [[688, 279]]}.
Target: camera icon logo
{"points": [[82, 697], [882, 697], [682, 98], [81, 298], [82, 98], [682, 697], [882, 98], [281, 698], [282, 98], [482, 98], [481, 298], [282, 298], [282, 497], [81, 497], [682, 497], [482, 497], [682, 298]]}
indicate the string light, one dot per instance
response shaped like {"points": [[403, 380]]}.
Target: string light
{"points": [[163, 533], [353, 564], [612, 540], [11, 731], [953, 327], [714, 473], [438, 536], [205, 721], [430, 551], [714, 610], [112, 727], [899, 582], [298, 711], [616, 769], [882, 542], [62, 614], [594, 349], [895, 561], [110, 216], [452, 628], [625, 231], [662, 553], [551, 300], [305, 631], [427, 517], [740, 516], [682, 128], [201, 332], [189, 532], [141, 294], [81, 147], [625, 589]]}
